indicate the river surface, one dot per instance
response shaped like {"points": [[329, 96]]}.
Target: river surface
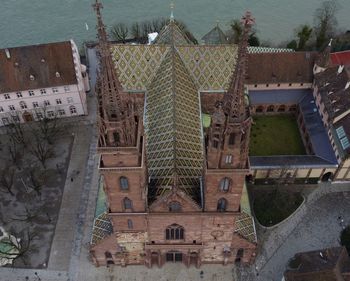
{"points": [[25, 22]]}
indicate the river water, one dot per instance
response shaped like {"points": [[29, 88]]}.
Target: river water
{"points": [[25, 22]]}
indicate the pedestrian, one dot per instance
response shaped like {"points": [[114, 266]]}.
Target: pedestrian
{"points": [[71, 179]]}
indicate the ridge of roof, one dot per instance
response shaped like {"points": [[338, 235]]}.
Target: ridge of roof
{"points": [[215, 37], [173, 129], [172, 34]]}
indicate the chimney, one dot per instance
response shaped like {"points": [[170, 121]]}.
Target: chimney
{"points": [[8, 55]]}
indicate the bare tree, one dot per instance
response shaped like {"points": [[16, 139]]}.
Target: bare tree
{"points": [[49, 126], [28, 216], [146, 28], [7, 176], [15, 130], [41, 150], [303, 33], [325, 22], [158, 24], [14, 152], [136, 31], [22, 244], [119, 32], [36, 179]]}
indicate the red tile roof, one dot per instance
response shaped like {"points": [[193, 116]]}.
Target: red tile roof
{"points": [[51, 65], [341, 58]]}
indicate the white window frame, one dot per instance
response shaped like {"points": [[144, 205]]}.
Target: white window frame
{"points": [[73, 109], [23, 105]]}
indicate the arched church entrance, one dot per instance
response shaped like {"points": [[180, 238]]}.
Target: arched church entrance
{"points": [[327, 177]]}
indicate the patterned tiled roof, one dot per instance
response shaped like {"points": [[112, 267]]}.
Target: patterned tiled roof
{"points": [[245, 227], [173, 129], [215, 36], [101, 229], [259, 50], [210, 67], [172, 34]]}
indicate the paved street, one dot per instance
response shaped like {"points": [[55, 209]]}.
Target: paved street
{"points": [[317, 229]]}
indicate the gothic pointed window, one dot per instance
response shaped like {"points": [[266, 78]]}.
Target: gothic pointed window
{"points": [[127, 203], [174, 206], [222, 205], [124, 183], [174, 232], [130, 224], [231, 140], [116, 137], [225, 184]]}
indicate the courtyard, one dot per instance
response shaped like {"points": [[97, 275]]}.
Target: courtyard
{"points": [[32, 179], [275, 135]]}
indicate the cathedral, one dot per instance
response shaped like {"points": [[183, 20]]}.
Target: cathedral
{"points": [[173, 180]]}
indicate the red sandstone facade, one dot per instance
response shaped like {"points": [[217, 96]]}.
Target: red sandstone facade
{"points": [[172, 226]]}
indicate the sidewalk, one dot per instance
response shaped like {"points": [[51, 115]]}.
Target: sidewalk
{"points": [[64, 233]]}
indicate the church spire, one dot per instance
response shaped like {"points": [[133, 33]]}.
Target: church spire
{"points": [[109, 89], [234, 105], [116, 120]]}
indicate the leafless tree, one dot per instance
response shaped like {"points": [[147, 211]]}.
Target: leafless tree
{"points": [[15, 130], [36, 179], [15, 153], [41, 150], [23, 243], [7, 176], [325, 22], [28, 216], [49, 126], [158, 24], [146, 28], [119, 32], [136, 31]]}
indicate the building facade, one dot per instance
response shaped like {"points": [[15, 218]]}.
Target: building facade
{"points": [[40, 81], [174, 191]]}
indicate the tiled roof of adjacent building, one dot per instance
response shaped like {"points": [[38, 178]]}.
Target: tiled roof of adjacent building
{"points": [[215, 37], [37, 66], [284, 67], [334, 87], [261, 49], [341, 58]]}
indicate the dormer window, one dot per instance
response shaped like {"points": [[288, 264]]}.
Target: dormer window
{"points": [[31, 77]]}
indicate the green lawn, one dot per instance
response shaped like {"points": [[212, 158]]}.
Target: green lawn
{"points": [[272, 207], [275, 135]]}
